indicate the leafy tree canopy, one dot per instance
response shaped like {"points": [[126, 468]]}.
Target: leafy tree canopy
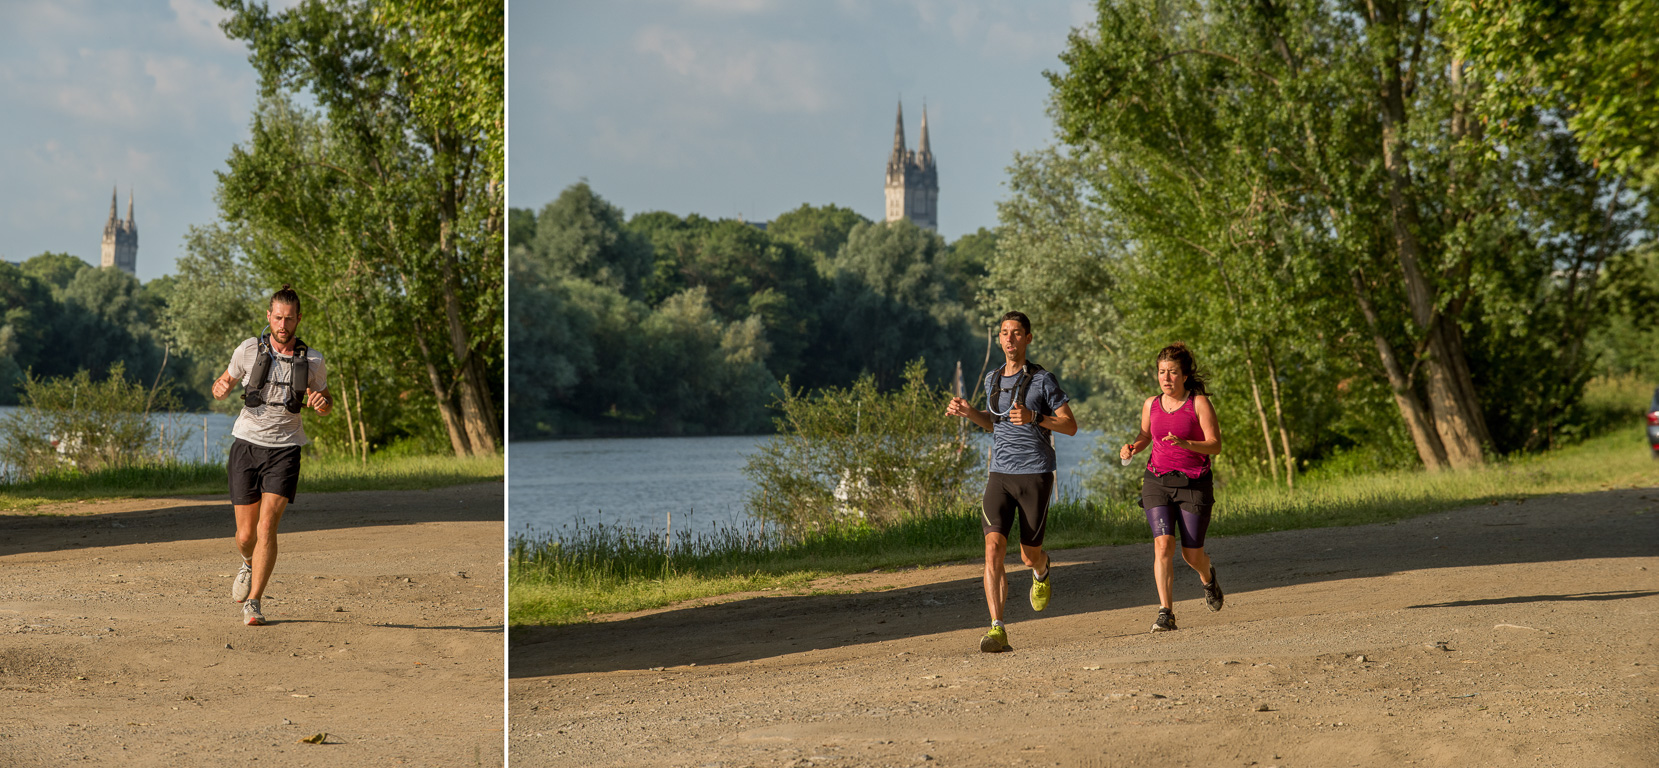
{"points": [[55, 269], [1595, 56]]}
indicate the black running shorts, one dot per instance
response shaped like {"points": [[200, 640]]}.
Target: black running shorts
{"points": [[1174, 489], [1027, 493], [255, 469]]}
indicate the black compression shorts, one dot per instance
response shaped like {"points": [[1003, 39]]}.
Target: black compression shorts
{"points": [[1027, 493]]}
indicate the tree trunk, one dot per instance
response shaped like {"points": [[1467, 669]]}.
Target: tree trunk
{"points": [[1418, 421], [457, 433], [1456, 415], [1279, 415], [477, 412], [1261, 413], [351, 431], [362, 428]]}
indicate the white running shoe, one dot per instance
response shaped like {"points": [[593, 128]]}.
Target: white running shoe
{"points": [[243, 584], [251, 614]]}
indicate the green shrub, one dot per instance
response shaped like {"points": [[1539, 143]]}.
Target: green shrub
{"points": [[861, 457], [74, 424]]}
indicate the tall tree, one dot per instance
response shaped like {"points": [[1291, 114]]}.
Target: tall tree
{"points": [[1313, 171], [391, 199], [55, 269], [894, 297], [822, 229], [582, 235]]}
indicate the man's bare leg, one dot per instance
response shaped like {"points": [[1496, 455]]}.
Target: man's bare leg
{"points": [[996, 574], [1033, 556], [256, 537]]}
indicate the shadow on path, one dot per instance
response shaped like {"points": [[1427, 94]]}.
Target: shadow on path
{"points": [[1588, 596], [152, 521], [1609, 524]]}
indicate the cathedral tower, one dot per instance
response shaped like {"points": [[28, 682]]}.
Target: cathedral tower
{"points": [[120, 239], [912, 179]]}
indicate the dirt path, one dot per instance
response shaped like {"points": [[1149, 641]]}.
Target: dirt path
{"points": [[120, 645], [1507, 634]]}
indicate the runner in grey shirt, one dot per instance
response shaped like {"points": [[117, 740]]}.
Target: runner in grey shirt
{"points": [[264, 461], [1025, 405]]}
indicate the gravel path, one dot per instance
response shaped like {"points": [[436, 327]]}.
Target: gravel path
{"points": [[120, 645], [1513, 633]]}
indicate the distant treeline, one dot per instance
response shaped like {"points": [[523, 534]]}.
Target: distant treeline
{"points": [[62, 316], [661, 324]]}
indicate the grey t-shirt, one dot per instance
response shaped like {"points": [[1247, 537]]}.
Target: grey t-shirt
{"points": [[1023, 449], [271, 425]]}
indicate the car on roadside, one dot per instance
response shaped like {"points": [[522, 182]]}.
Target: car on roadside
{"points": [[1653, 424]]}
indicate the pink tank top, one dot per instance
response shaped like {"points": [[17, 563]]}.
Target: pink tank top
{"points": [[1183, 423]]}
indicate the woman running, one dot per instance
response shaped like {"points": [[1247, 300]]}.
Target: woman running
{"points": [[1178, 488]]}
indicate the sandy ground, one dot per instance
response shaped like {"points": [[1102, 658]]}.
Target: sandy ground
{"points": [[120, 645], [1503, 634]]}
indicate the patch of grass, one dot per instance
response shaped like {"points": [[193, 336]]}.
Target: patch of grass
{"points": [[564, 579], [317, 475], [397, 473]]}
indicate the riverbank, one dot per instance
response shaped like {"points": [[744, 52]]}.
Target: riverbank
{"points": [[620, 570], [323, 474]]}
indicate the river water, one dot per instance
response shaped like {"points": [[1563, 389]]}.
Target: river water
{"points": [[640, 481]]}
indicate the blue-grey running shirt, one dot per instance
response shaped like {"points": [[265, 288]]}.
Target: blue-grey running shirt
{"points": [[1024, 449]]}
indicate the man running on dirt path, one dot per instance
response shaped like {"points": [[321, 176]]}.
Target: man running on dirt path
{"points": [[1025, 406], [264, 460]]}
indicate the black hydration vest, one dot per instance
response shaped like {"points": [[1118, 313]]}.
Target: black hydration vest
{"points": [[1022, 385], [253, 393]]}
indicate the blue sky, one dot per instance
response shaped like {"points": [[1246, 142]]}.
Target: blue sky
{"points": [[147, 94], [753, 107]]}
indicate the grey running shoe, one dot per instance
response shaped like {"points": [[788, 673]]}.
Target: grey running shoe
{"points": [[1212, 592], [243, 584], [1165, 622], [251, 614]]}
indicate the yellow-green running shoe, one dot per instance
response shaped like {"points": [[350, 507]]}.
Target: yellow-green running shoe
{"points": [[1039, 591], [994, 641]]}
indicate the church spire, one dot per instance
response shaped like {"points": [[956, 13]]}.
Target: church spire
{"points": [[898, 133], [114, 193], [129, 191], [924, 148]]}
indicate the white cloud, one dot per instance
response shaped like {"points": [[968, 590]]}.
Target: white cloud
{"points": [[670, 46], [735, 6], [997, 28], [130, 89], [188, 89], [770, 75], [1004, 40], [198, 21], [567, 87], [964, 22], [635, 146]]}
